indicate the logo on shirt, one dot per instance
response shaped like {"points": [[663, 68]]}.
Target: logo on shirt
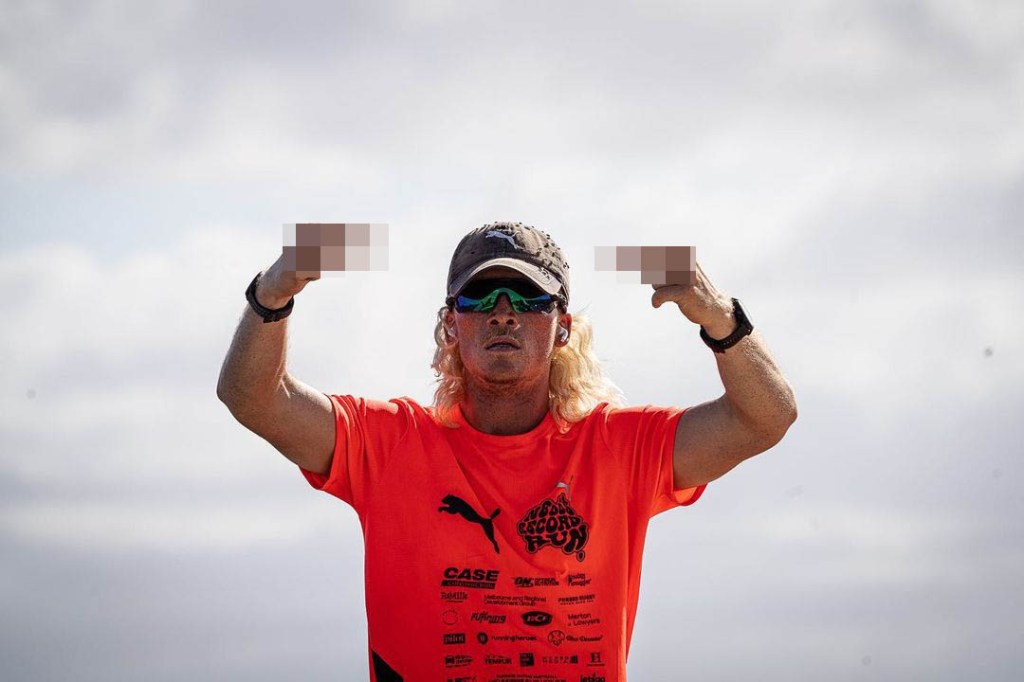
{"points": [[457, 596], [579, 580], [457, 660], [543, 581], [536, 618], [486, 617], [555, 523], [582, 618], [476, 578], [457, 505]]}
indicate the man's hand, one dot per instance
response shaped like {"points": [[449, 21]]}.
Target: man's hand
{"points": [[700, 302], [278, 284]]}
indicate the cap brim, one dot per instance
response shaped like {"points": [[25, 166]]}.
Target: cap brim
{"points": [[539, 276]]}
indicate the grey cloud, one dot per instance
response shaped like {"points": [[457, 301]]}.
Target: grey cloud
{"points": [[804, 150]]}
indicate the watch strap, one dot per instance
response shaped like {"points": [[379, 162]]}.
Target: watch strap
{"points": [[743, 328], [267, 314]]}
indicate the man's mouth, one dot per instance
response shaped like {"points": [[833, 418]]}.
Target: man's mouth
{"points": [[502, 343]]}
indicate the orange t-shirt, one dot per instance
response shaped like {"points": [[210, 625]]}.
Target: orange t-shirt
{"points": [[501, 558]]}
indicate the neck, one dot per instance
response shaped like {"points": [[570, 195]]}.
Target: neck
{"points": [[506, 409]]}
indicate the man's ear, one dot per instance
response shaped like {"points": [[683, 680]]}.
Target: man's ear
{"points": [[448, 324], [564, 323]]}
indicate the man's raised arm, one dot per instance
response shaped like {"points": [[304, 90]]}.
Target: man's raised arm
{"points": [[255, 385], [758, 406]]}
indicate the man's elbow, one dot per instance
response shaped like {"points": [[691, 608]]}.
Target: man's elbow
{"points": [[783, 428], [772, 436], [789, 412]]}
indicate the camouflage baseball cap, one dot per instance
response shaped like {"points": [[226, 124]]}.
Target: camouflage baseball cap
{"points": [[513, 245]]}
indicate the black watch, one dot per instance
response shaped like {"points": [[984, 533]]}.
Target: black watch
{"points": [[267, 314], [743, 328]]}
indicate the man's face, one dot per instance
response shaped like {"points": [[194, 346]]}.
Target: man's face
{"points": [[533, 337]]}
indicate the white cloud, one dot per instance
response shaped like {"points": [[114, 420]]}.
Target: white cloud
{"points": [[106, 528], [851, 173]]}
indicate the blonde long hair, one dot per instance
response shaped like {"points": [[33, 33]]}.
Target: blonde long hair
{"points": [[576, 385]]}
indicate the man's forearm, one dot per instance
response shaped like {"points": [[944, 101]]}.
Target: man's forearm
{"points": [[255, 363], [754, 385]]}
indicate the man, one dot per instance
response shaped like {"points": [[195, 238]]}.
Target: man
{"points": [[504, 525]]}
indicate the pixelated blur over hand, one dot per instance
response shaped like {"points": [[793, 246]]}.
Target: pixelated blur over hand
{"points": [[279, 284], [700, 302]]}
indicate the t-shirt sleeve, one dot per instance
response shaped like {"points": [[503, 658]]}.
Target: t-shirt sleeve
{"points": [[645, 438], [366, 435]]}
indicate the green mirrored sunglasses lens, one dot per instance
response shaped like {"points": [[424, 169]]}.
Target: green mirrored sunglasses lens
{"points": [[520, 303]]}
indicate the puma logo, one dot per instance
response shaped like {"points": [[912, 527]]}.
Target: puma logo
{"points": [[456, 505], [495, 233]]}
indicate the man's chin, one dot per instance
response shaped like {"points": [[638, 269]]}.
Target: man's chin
{"points": [[503, 380], [506, 382]]}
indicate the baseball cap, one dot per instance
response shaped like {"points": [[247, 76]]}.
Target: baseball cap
{"points": [[523, 248]]}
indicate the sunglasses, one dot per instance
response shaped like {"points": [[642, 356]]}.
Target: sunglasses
{"points": [[482, 295]]}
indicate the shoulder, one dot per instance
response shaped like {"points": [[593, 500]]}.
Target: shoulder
{"points": [[617, 417], [619, 425], [371, 413]]}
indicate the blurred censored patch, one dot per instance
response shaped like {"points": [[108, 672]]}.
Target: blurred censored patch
{"points": [[334, 248], [656, 264]]}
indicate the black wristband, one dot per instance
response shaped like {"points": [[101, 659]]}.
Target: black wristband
{"points": [[743, 328], [267, 314]]}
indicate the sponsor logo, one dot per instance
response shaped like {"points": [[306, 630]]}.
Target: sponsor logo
{"points": [[561, 660], [457, 596], [455, 638], [475, 578], [457, 505], [583, 618], [449, 617], [527, 600], [486, 617], [556, 637], [536, 618], [513, 638], [482, 637], [457, 660], [536, 582], [494, 659], [578, 580], [595, 660], [585, 638], [591, 678], [554, 523], [525, 660], [576, 600]]}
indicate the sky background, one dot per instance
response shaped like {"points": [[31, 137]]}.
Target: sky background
{"points": [[853, 172]]}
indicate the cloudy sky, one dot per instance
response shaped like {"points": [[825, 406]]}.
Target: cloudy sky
{"points": [[853, 172]]}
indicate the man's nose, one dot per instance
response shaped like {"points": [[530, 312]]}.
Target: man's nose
{"points": [[503, 311]]}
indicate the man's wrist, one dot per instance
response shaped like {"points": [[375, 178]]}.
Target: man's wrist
{"points": [[268, 299], [723, 325]]}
